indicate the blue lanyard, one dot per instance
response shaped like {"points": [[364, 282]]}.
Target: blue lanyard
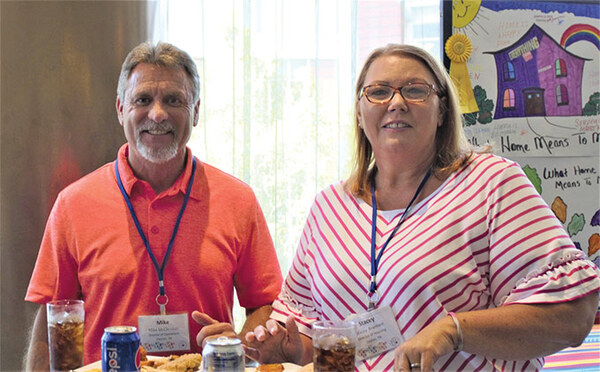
{"points": [[159, 269], [373, 297]]}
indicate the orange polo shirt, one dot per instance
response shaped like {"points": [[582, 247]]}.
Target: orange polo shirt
{"points": [[91, 249]]}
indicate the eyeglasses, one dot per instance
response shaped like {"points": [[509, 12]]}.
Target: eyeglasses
{"points": [[381, 94]]}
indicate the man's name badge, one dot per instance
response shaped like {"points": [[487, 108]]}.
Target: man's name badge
{"points": [[376, 332], [161, 333]]}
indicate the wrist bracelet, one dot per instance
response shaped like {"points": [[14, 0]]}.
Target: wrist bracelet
{"points": [[459, 345]]}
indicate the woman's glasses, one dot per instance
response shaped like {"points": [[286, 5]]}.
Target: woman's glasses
{"points": [[413, 92]]}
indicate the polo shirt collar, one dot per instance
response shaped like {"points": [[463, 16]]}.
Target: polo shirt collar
{"points": [[129, 179]]}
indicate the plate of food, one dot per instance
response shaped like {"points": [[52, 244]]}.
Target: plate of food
{"points": [[175, 363], [193, 362]]}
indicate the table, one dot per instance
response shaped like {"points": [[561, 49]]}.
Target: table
{"points": [[585, 357]]}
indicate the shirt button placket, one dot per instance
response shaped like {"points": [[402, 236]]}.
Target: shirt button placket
{"points": [[154, 229]]}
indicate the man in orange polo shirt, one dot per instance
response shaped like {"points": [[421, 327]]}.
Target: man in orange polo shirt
{"points": [[155, 235]]}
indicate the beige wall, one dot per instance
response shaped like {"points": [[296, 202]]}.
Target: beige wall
{"points": [[59, 64]]}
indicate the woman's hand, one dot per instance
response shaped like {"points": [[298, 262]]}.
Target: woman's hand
{"points": [[274, 343], [424, 348]]}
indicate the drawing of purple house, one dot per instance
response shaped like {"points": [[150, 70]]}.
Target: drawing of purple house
{"points": [[537, 77]]}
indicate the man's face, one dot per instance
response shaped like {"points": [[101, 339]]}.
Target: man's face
{"points": [[157, 113]]}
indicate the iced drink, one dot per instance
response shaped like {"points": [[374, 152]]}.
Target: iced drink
{"points": [[334, 346], [65, 334], [338, 356]]}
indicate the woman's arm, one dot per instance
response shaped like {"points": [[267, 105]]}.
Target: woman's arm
{"points": [[276, 344], [534, 330], [512, 332]]}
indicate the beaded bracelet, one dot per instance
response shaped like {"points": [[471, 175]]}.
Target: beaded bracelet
{"points": [[459, 346]]}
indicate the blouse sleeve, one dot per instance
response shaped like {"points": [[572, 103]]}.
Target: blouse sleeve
{"points": [[532, 258], [295, 297]]}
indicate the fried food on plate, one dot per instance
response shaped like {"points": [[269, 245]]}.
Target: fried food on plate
{"points": [[174, 363], [270, 368]]}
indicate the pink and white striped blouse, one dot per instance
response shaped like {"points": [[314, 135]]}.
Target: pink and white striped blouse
{"points": [[483, 239]]}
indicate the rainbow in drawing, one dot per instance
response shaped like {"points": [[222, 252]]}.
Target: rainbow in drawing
{"points": [[578, 32]]}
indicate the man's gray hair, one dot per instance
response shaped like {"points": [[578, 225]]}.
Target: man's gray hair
{"points": [[161, 54]]}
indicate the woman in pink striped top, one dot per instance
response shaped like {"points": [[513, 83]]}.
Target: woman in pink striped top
{"points": [[478, 272]]}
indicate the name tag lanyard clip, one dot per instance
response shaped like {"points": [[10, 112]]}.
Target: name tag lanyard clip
{"points": [[159, 269], [373, 295]]}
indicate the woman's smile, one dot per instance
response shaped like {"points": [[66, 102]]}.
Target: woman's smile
{"points": [[396, 124]]}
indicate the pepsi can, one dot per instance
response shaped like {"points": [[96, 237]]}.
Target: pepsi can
{"points": [[223, 354], [121, 349]]}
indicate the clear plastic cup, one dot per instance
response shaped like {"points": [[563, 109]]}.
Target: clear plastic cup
{"points": [[65, 334], [334, 346]]}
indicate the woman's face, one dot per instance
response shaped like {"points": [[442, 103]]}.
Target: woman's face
{"points": [[400, 127]]}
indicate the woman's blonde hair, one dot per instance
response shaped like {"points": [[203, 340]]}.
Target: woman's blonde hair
{"points": [[451, 146]]}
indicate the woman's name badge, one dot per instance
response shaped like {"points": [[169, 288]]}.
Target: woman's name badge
{"points": [[160, 333], [376, 332]]}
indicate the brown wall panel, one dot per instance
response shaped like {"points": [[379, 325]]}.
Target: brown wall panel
{"points": [[59, 63]]}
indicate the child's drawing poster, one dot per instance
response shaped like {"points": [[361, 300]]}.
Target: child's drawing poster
{"points": [[528, 75], [569, 185]]}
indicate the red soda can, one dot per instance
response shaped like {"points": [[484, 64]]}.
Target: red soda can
{"points": [[121, 349]]}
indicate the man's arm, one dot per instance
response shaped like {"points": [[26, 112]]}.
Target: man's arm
{"points": [[255, 317], [36, 358], [212, 328]]}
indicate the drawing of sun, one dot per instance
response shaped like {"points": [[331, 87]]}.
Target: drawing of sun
{"points": [[465, 14], [464, 11]]}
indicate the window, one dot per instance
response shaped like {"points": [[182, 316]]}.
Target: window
{"points": [[562, 95], [509, 71], [277, 89], [561, 68], [509, 99]]}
